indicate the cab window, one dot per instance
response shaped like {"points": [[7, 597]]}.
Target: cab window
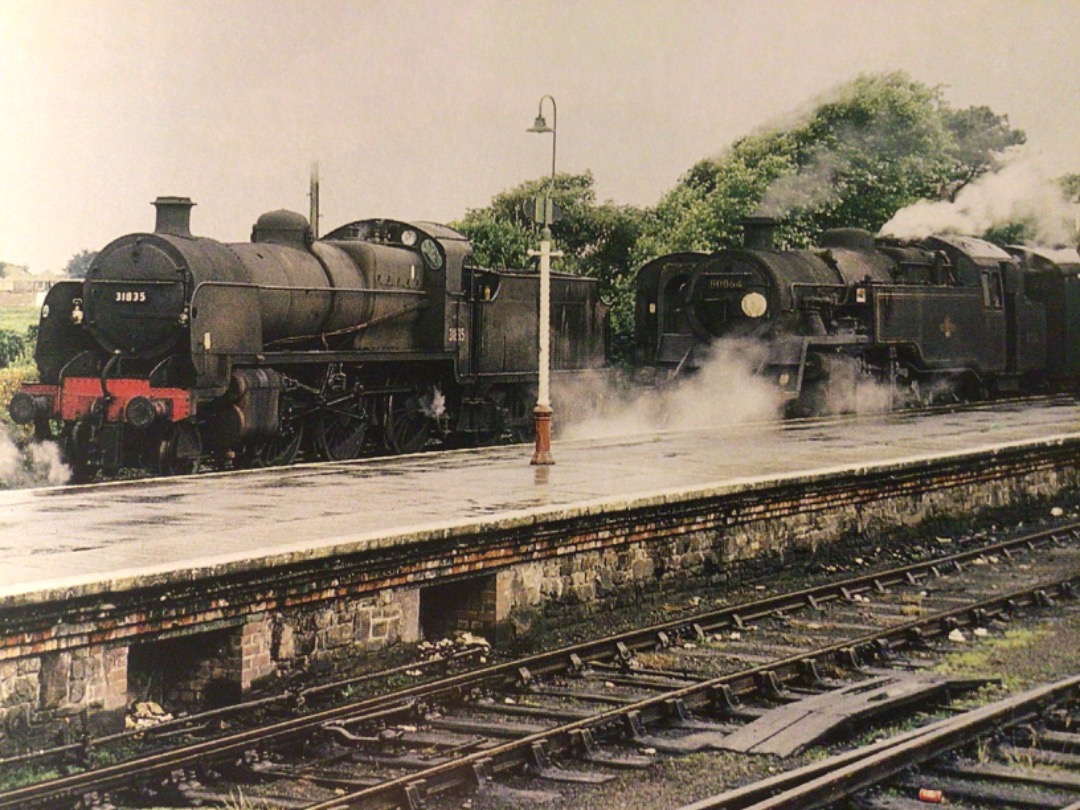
{"points": [[993, 294]]}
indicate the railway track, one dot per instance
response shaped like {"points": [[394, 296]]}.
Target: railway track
{"points": [[666, 688]]}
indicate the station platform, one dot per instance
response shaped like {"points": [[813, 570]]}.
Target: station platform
{"points": [[84, 541]]}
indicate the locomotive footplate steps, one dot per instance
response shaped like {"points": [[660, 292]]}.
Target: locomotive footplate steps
{"points": [[247, 578]]}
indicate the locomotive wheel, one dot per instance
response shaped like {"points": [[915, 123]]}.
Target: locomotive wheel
{"points": [[47, 430], [813, 401], [340, 432], [179, 450], [970, 387], [75, 452], [494, 423], [279, 450], [408, 426], [82, 472]]}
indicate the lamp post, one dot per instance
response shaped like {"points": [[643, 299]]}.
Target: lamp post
{"points": [[545, 209]]}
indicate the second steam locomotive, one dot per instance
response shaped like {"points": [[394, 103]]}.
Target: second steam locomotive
{"points": [[176, 349], [941, 317]]}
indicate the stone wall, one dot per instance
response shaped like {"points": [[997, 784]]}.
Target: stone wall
{"points": [[37, 693], [742, 538], [94, 685]]}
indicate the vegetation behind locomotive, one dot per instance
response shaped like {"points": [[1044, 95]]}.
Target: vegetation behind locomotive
{"points": [[177, 349], [942, 316]]}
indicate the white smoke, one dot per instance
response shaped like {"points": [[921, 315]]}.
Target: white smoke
{"points": [[811, 186], [861, 395], [434, 406], [1021, 191], [724, 391], [38, 464]]}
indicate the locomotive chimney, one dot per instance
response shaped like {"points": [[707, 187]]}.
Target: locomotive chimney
{"points": [[759, 233], [173, 215]]}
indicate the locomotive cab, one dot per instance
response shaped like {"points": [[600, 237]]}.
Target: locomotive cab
{"points": [[663, 336]]}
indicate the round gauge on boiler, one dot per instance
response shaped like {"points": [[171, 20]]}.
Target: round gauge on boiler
{"points": [[430, 252], [408, 238]]}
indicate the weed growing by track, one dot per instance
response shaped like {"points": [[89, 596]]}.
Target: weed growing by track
{"points": [[12, 778], [1019, 657]]}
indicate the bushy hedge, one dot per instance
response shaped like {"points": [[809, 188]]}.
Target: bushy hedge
{"points": [[16, 366], [13, 348], [10, 380]]}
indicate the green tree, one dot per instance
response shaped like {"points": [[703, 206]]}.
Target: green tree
{"points": [[881, 143], [979, 136], [12, 347], [1070, 184], [1013, 233], [596, 239], [79, 263]]}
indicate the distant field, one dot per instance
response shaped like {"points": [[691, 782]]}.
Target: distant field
{"points": [[17, 319]]}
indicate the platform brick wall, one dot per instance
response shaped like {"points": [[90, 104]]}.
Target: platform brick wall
{"points": [[254, 641], [738, 541], [47, 691], [338, 627]]}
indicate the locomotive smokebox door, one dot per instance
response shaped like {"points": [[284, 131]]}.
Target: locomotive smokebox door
{"points": [[137, 291]]}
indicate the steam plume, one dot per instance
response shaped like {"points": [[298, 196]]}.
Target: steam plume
{"points": [[1021, 191], [38, 464], [810, 187], [724, 391]]}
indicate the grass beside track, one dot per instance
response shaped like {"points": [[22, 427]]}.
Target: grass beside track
{"points": [[18, 319]]}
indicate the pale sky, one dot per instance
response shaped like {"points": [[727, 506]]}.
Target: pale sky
{"points": [[418, 108]]}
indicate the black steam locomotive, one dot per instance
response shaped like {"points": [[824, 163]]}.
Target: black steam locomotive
{"points": [[177, 350], [946, 316]]}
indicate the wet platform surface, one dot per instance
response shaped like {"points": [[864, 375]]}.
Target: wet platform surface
{"points": [[74, 540]]}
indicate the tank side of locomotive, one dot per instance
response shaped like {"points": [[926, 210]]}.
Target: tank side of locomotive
{"points": [[959, 326]]}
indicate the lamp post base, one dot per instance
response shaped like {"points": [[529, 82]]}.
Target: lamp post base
{"points": [[542, 417]]}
